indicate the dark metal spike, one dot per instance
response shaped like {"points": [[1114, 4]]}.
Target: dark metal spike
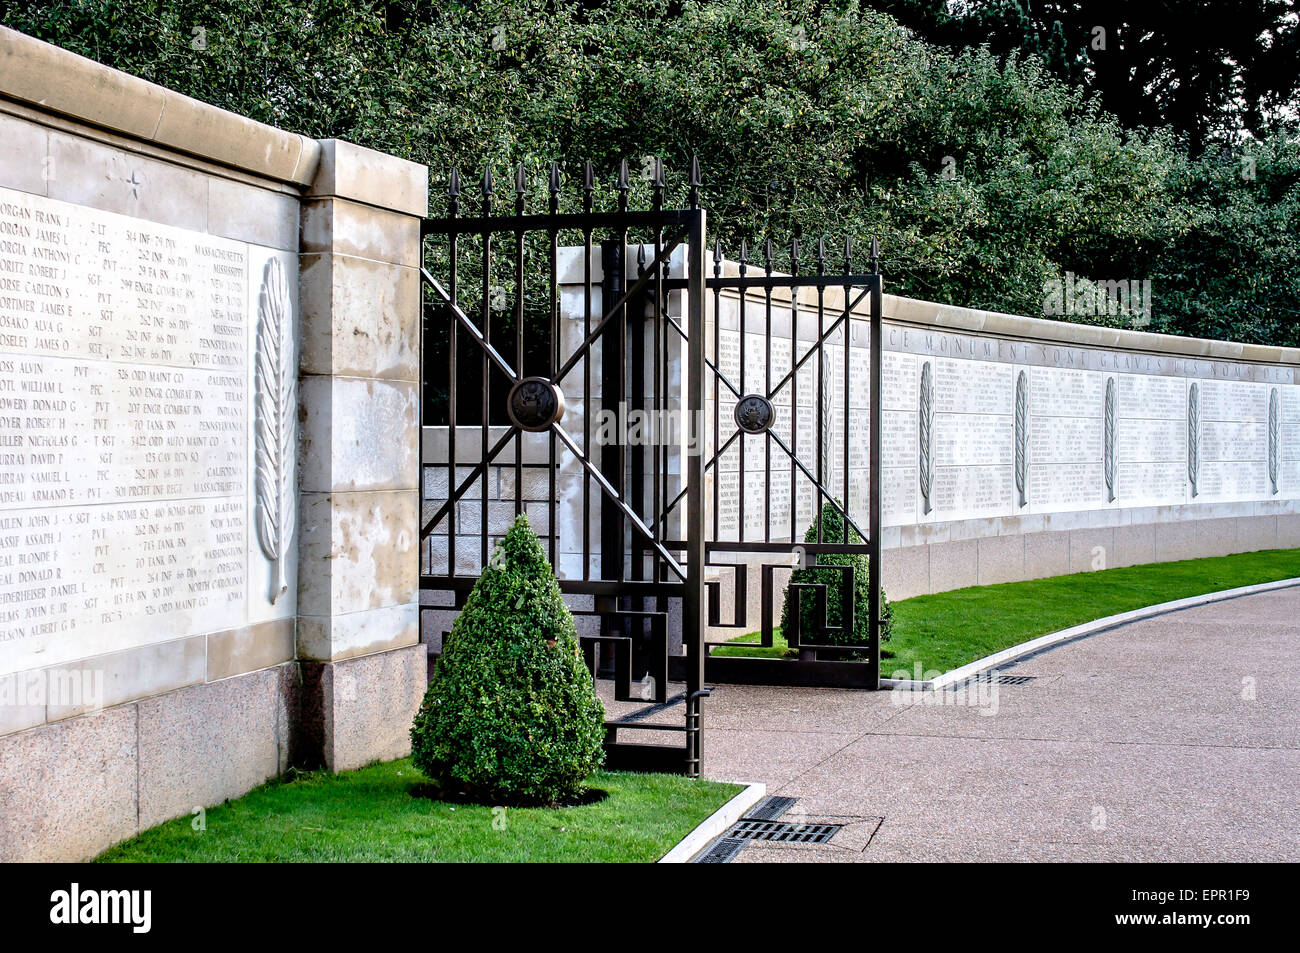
{"points": [[521, 180], [821, 255], [555, 177], [624, 182], [659, 173], [848, 254], [767, 255], [640, 256], [717, 249], [875, 256], [588, 177], [695, 182], [744, 252], [487, 180], [794, 256], [453, 193]]}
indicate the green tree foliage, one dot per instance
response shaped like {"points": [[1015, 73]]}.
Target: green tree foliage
{"points": [[834, 530], [984, 176], [511, 715], [1206, 68]]}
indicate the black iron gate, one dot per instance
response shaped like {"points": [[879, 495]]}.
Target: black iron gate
{"points": [[515, 316]]}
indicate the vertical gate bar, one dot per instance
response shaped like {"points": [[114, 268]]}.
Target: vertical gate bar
{"points": [[693, 603], [767, 390], [877, 362], [620, 367], [554, 300], [636, 401], [453, 384], [588, 185], [821, 387], [519, 333], [611, 389], [487, 366], [848, 342], [794, 392], [740, 472], [717, 363]]}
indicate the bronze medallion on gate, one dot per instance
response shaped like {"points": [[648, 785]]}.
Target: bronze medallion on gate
{"points": [[535, 403], [754, 413]]}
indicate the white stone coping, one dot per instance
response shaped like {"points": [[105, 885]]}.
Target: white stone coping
{"points": [[715, 824], [58, 81], [1017, 652]]}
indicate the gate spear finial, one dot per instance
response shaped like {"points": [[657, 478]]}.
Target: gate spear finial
{"points": [[767, 256], [588, 186], [794, 256], [821, 256], [848, 254], [875, 257], [695, 182], [453, 192], [487, 190], [717, 258], [623, 185], [521, 188]]}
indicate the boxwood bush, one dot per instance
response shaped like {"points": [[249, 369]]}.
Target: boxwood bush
{"points": [[511, 715], [834, 530]]}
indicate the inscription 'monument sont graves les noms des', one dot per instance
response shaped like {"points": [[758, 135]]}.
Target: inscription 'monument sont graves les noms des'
{"points": [[132, 358]]}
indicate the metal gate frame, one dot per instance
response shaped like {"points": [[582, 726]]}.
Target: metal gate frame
{"points": [[619, 597], [669, 577], [808, 669]]}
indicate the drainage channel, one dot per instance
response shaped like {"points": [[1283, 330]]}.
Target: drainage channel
{"points": [[762, 825]]}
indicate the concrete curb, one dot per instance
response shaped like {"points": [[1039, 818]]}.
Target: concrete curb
{"points": [[715, 824], [1017, 652]]}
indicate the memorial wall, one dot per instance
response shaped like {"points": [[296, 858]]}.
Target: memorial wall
{"points": [[130, 367], [1013, 447], [208, 464]]}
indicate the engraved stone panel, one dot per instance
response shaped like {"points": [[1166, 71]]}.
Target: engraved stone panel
{"points": [[126, 443]]}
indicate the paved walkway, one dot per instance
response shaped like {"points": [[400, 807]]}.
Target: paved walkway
{"points": [[1135, 744]]}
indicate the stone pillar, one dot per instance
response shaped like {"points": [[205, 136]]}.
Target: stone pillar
{"points": [[363, 669]]}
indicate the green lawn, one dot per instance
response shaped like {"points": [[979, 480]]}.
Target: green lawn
{"points": [[374, 814], [948, 629]]}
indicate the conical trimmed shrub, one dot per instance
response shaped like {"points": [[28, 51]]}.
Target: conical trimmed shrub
{"points": [[834, 530], [511, 715]]}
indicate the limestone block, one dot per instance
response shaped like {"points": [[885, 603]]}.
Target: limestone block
{"points": [[85, 172], [362, 231], [133, 673], [249, 648], [247, 213], [357, 551], [358, 434], [375, 178], [360, 317], [24, 151], [353, 634]]}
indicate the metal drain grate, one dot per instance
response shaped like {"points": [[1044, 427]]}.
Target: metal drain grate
{"points": [[985, 679], [770, 808], [721, 851], [780, 832]]}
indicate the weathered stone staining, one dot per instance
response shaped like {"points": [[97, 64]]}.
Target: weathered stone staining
{"points": [[124, 390]]}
